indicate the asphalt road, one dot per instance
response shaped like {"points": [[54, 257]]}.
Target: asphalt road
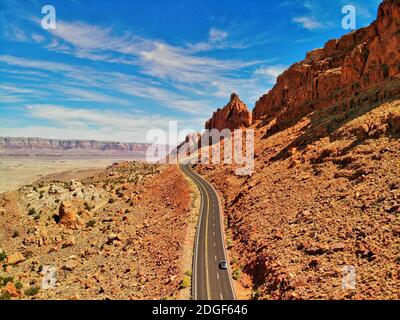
{"points": [[209, 282]]}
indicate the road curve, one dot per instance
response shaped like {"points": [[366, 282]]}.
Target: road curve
{"points": [[209, 282]]}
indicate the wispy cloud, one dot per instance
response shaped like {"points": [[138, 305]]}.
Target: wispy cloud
{"points": [[308, 23], [66, 122], [271, 72]]}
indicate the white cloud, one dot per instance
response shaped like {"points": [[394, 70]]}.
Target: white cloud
{"points": [[308, 23], [38, 38], [271, 72], [217, 35], [81, 123]]}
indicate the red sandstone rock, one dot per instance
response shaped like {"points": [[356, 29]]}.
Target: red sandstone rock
{"points": [[235, 115], [357, 61]]}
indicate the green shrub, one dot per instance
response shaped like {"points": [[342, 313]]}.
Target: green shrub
{"points": [[188, 273], [18, 285], [5, 296], [88, 207], [3, 255], [91, 223], [237, 274], [5, 280], [185, 283], [32, 291]]}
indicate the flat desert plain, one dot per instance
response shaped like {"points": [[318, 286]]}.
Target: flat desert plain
{"points": [[16, 172]]}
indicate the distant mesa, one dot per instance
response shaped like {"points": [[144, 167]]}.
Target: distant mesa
{"points": [[70, 148]]}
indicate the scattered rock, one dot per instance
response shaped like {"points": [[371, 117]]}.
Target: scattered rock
{"points": [[12, 290], [70, 265], [15, 258]]}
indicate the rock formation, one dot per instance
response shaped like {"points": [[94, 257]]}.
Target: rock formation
{"points": [[234, 115], [358, 61]]}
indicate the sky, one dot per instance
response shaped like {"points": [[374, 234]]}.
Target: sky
{"points": [[113, 70]]}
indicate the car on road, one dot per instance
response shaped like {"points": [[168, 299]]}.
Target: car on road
{"points": [[223, 265]]}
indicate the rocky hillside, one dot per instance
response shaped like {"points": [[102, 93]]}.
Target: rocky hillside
{"points": [[234, 115], [325, 194], [49, 147], [341, 71], [122, 234]]}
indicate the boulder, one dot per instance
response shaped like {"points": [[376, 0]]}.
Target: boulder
{"points": [[68, 215], [15, 258]]}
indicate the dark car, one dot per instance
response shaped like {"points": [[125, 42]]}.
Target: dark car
{"points": [[223, 265]]}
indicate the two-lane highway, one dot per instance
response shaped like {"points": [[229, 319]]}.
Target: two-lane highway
{"points": [[209, 281]]}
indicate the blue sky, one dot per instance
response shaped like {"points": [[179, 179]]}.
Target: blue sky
{"points": [[112, 70]]}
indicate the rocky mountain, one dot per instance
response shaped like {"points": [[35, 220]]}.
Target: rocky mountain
{"points": [[323, 202], [342, 70], [234, 115], [50, 147]]}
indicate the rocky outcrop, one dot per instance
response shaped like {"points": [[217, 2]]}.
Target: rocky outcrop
{"points": [[234, 115], [39, 146], [68, 215], [361, 60]]}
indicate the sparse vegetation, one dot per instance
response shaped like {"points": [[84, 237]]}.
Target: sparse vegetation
{"points": [[5, 280], [32, 291], [88, 207], [19, 285], [237, 274], [5, 296], [91, 223], [3, 255], [186, 282]]}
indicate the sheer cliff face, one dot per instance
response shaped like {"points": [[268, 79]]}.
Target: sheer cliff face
{"points": [[234, 115], [32, 146], [343, 68]]}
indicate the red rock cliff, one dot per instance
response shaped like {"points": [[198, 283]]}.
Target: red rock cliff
{"points": [[234, 115], [358, 61]]}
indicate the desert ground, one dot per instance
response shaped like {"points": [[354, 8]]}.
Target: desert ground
{"points": [[16, 172]]}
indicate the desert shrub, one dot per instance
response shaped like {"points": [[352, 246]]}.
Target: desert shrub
{"points": [[88, 207], [32, 211], [32, 291], [237, 274], [3, 255], [91, 223], [5, 280], [5, 296], [111, 200], [19, 285], [15, 234], [185, 283], [229, 244]]}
